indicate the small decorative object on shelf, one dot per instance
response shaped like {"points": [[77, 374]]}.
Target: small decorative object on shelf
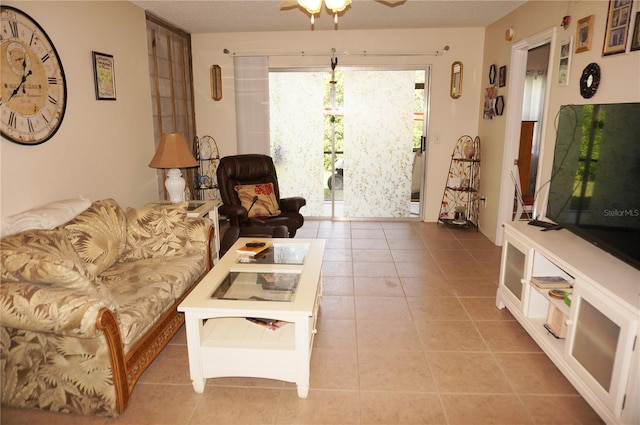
{"points": [[206, 151], [460, 201]]}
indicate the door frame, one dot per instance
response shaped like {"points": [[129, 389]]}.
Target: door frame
{"points": [[517, 74]]}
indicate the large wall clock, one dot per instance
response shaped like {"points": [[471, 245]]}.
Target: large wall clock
{"points": [[33, 86]]}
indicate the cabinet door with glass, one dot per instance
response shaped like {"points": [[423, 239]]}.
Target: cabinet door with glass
{"points": [[600, 344], [514, 273]]}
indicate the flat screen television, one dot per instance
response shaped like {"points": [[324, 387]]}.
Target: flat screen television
{"points": [[594, 190]]}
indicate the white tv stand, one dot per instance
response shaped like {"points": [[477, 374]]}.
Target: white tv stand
{"points": [[600, 354]]}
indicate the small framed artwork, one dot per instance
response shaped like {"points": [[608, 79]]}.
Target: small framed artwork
{"points": [[635, 36], [502, 76], [492, 74], [584, 34], [490, 95], [564, 66], [104, 76], [499, 105], [618, 22]]}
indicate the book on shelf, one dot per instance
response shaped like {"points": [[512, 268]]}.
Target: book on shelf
{"points": [[550, 282], [270, 324], [254, 248]]}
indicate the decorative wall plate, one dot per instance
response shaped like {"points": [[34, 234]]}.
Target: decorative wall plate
{"points": [[590, 80]]}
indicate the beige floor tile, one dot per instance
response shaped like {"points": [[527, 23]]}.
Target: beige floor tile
{"points": [[507, 336], [561, 410], [159, 404], [484, 308], [405, 408], [437, 308], [321, 407], [13, 416], [458, 372], [374, 269], [428, 270], [417, 244], [232, 406], [387, 308], [420, 256], [334, 369], [450, 335], [337, 254], [368, 233], [337, 285], [475, 287], [397, 334], [432, 287], [337, 268], [335, 333], [377, 243], [170, 367], [337, 307], [372, 256], [394, 370], [493, 409], [533, 373], [378, 286]]}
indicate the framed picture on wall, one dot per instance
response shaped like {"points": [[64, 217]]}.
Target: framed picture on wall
{"points": [[564, 66], [618, 21], [104, 76], [635, 36], [584, 34], [502, 76]]}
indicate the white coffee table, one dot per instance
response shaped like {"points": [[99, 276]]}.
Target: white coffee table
{"points": [[221, 342]]}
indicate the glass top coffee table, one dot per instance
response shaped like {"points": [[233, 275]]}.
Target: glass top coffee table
{"points": [[256, 317]]}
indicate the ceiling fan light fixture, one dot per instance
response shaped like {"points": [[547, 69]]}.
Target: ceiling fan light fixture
{"points": [[314, 6]]}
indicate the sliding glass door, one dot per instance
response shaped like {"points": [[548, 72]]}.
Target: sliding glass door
{"points": [[351, 143]]}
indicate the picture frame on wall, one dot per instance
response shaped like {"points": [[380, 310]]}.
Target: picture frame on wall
{"points": [[104, 76], [564, 66], [502, 76], [635, 36], [584, 34], [618, 22]]}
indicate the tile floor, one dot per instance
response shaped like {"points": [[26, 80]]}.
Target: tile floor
{"points": [[408, 334]]}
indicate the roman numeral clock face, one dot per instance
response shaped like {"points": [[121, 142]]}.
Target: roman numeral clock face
{"points": [[33, 91]]}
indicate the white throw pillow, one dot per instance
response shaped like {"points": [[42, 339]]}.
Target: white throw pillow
{"points": [[48, 216]]}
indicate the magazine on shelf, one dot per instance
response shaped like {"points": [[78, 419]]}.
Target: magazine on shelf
{"points": [[270, 324], [550, 282]]}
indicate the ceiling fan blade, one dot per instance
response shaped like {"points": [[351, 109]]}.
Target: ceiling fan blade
{"points": [[288, 4]]}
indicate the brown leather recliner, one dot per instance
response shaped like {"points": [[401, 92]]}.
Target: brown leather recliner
{"points": [[251, 169]]}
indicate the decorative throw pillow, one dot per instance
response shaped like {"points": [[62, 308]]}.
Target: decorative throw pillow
{"points": [[259, 199], [42, 256], [99, 235], [156, 231]]}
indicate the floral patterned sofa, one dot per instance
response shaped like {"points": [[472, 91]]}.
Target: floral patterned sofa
{"points": [[87, 306]]}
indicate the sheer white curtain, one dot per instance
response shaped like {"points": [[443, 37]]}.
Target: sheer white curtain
{"points": [[251, 76], [535, 85]]}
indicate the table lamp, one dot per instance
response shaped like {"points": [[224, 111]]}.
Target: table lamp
{"points": [[173, 153]]}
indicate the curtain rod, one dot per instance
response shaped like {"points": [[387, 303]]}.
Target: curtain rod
{"points": [[333, 53]]}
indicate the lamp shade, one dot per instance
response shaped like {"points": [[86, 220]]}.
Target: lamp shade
{"points": [[173, 152]]}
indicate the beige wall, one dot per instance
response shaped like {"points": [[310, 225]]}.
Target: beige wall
{"points": [[620, 83], [449, 118], [103, 148]]}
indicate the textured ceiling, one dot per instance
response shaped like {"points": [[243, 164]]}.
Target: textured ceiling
{"points": [[266, 15]]}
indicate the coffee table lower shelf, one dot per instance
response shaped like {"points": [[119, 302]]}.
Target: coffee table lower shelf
{"points": [[233, 346]]}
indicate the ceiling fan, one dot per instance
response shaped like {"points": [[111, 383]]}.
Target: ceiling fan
{"points": [[336, 6]]}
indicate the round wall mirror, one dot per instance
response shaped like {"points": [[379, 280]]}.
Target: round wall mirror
{"points": [[456, 80]]}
